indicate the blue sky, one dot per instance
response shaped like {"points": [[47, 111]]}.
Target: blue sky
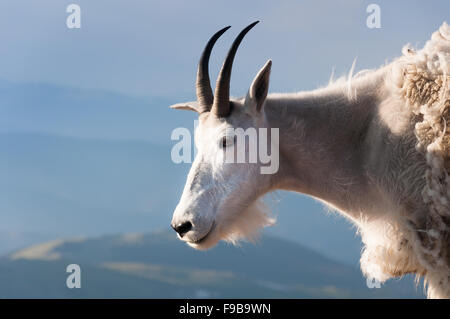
{"points": [[151, 48]]}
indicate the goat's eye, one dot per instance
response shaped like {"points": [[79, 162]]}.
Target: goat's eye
{"points": [[226, 141]]}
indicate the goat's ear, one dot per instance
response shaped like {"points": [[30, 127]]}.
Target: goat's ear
{"points": [[260, 86], [190, 106]]}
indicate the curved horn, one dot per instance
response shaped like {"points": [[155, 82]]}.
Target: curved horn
{"points": [[203, 87], [221, 105]]}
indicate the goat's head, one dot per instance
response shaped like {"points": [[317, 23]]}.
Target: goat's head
{"points": [[219, 200]]}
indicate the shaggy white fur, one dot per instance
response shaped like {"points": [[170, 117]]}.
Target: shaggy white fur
{"points": [[419, 241]]}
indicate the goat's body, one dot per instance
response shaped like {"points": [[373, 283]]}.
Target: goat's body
{"points": [[357, 148]]}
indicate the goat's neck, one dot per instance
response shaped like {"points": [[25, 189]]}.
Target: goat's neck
{"points": [[322, 144]]}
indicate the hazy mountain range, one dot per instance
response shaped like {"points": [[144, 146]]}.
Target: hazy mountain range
{"points": [[91, 163], [159, 266]]}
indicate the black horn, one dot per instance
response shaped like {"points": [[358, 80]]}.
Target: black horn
{"points": [[203, 87], [221, 104]]}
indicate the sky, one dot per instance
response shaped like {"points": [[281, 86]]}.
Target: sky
{"points": [[151, 48]]}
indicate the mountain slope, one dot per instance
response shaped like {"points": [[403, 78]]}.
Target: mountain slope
{"points": [[157, 265]]}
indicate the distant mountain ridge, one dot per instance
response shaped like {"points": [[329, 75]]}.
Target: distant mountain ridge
{"points": [[157, 265], [80, 113]]}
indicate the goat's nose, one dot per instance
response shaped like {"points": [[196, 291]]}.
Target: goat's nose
{"points": [[182, 228]]}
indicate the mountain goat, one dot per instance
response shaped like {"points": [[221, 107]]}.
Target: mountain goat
{"points": [[375, 147]]}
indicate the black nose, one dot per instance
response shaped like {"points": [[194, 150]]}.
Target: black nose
{"points": [[182, 228]]}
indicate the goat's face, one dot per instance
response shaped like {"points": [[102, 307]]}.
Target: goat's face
{"points": [[221, 191]]}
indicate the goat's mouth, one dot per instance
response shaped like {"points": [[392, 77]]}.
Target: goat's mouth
{"points": [[203, 239]]}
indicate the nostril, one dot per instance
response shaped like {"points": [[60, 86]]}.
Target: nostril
{"points": [[183, 228]]}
